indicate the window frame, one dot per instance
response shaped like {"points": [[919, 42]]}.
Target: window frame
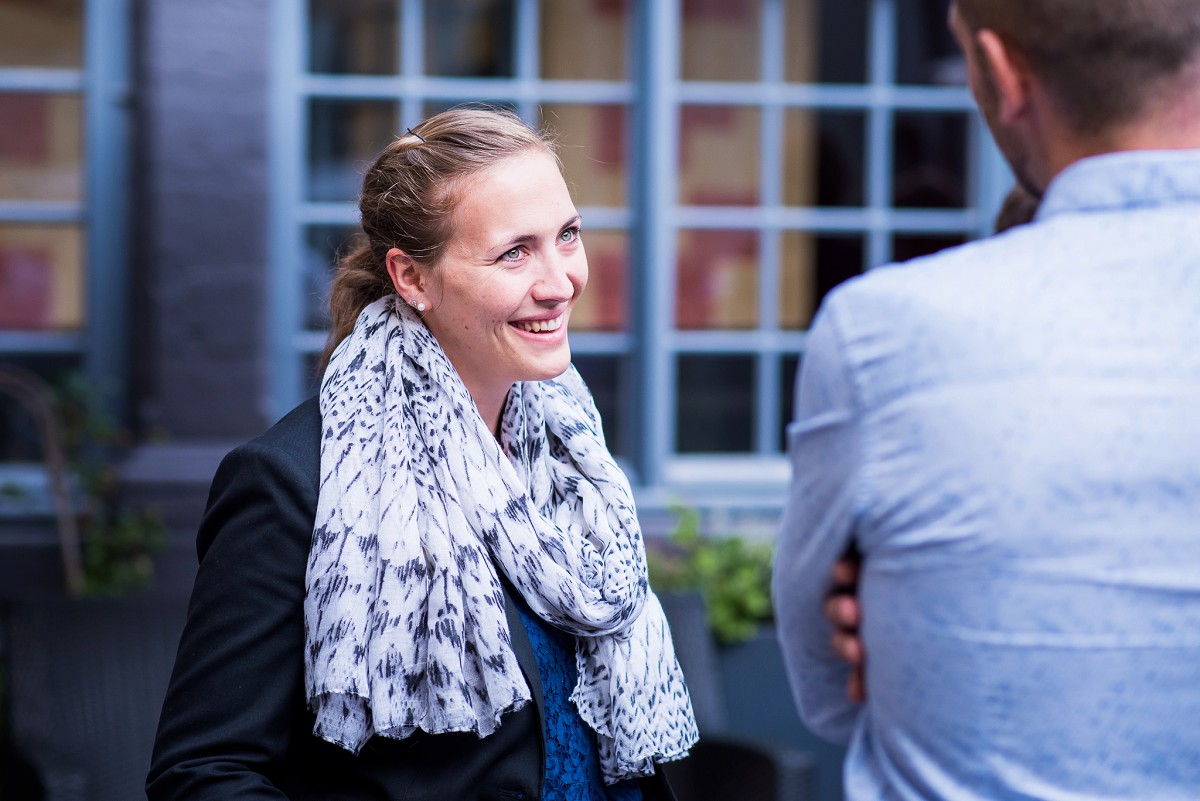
{"points": [[655, 94], [103, 209], [882, 98]]}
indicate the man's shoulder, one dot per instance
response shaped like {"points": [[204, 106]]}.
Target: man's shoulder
{"points": [[977, 273], [989, 260], [907, 323]]}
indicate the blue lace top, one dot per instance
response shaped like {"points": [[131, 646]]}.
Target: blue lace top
{"points": [[572, 762]]}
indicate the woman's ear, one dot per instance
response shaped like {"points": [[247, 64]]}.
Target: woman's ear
{"points": [[1010, 75], [406, 278]]}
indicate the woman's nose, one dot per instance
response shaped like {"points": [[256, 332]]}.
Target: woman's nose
{"points": [[558, 280]]}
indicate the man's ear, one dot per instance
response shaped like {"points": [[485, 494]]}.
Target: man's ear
{"points": [[1009, 71], [406, 277]]}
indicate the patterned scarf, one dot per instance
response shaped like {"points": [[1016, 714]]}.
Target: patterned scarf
{"points": [[420, 505]]}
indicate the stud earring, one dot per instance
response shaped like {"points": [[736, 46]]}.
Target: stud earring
{"points": [[417, 305]]}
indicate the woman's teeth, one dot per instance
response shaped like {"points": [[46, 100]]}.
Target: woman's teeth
{"points": [[539, 326]]}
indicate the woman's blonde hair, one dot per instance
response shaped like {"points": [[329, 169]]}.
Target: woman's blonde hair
{"points": [[409, 196]]}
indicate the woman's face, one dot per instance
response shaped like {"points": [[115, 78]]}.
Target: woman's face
{"points": [[507, 279]]}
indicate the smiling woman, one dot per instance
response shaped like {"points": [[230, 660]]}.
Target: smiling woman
{"points": [[390, 577], [500, 293]]}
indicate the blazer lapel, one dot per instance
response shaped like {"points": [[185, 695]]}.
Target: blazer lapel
{"points": [[523, 648]]}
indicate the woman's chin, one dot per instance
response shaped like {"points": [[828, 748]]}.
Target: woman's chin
{"points": [[551, 367]]}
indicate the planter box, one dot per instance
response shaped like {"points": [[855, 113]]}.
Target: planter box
{"points": [[758, 703]]}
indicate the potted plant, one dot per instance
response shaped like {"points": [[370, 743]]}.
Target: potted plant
{"points": [[107, 546], [118, 542], [732, 575]]}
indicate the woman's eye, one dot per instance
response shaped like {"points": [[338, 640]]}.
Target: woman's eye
{"points": [[569, 235]]}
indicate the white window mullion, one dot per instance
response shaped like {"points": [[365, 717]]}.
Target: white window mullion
{"points": [[655, 176], [771, 173], [527, 57], [411, 41], [288, 135], [107, 131], [880, 126]]}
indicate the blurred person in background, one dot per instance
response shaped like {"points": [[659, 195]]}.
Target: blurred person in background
{"points": [[1003, 437], [430, 582]]}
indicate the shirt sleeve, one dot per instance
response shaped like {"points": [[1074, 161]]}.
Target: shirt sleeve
{"points": [[824, 446]]}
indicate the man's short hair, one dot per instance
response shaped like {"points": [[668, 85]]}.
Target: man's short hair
{"points": [[1103, 60]]}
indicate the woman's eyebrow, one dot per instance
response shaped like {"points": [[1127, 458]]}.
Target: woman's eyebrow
{"points": [[524, 239]]}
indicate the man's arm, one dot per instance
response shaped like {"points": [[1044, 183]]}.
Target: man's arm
{"points": [[818, 527]]}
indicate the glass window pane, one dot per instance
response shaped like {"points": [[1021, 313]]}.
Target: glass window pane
{"points": [[20, 441], [354, 36], [41, 147], [788, 365], [715, 412], [910, 246], [41, 277], [926, 52], [719, 156], [46, 33], [812, 265], [344, 138], [721, 40], [717, 280], [802, 162], [603, 306], [603, 58], [593, 151], [931, 163], [827, 40], [469, 38], [322, 244], [605, 377], [801, 48], [823, 158]]}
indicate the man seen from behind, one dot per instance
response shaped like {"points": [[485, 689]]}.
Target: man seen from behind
{"points": [[1008, 433]]}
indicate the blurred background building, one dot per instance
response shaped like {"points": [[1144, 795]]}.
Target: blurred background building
{"points": [[176, 175]]}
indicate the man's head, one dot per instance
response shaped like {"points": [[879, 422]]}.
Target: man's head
{"points": [[1103, 64]]}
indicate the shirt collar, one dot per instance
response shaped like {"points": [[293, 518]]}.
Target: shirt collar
{"points": [[1124, 180]]}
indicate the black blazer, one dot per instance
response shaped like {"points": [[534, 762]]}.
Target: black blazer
{"points": [[235, 723]]}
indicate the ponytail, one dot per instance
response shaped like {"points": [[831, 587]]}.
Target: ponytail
{"points": [[357, 283]]}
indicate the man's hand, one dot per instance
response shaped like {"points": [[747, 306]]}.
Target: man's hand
{"points": [[843, 611]]}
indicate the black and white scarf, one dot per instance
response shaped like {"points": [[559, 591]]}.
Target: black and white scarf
{"points": [[419, 505]]}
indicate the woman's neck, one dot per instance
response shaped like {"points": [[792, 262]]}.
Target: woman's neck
{"points": [[491, 408]]}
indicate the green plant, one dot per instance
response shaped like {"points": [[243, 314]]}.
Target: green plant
{"points": [[731, 573], [118, 542]]}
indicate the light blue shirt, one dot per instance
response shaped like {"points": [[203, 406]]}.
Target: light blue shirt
{"points": [[1010, 432]]}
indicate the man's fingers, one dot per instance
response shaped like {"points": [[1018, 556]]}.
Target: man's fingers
{"points": [[845, 572], [843, 611], [856, 687], [847, 647]]}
